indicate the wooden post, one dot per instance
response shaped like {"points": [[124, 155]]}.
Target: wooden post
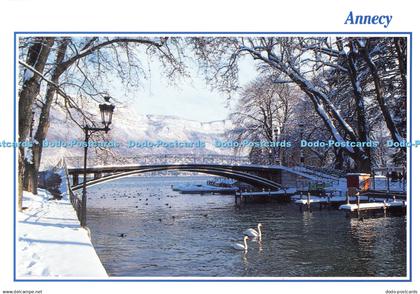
{"points": [[84, 196]]}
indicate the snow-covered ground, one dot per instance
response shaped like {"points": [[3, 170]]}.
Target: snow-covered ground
{"points": [[51, 243], [373, 205], [316, 199]]}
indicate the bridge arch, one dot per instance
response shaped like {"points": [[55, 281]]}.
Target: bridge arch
{"points": [[212, 170]]}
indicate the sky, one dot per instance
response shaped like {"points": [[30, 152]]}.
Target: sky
{"points": [[190, 99]]}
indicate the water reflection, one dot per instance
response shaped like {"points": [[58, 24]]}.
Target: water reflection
{"points": [[245, 260], [260, 247], [169, 234]]}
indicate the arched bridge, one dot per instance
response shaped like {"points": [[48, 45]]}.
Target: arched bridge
{"points": [[261, 176]]}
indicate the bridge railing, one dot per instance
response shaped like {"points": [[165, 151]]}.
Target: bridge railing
{"points": [[77, 161], [75, 201]]}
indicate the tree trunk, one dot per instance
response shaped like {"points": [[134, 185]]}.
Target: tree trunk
{"points": [[44, 119], [395, 134], [400, 157], [339, 158], [362, 125], [401, 48], [37, 57], [20, 181], [27, 177]]}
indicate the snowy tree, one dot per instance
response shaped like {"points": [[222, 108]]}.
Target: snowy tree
{"points": [[344, 79], [37, 52], [263, 108], [74, 72]]}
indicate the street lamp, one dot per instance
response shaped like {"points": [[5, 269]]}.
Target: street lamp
{"points": [[302, 158], [106, 109], [276, 147]]}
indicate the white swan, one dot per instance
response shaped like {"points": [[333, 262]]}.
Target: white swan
{"points": [[239, 246], [253, 232]]}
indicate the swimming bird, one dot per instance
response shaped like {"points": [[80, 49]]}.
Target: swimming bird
{"points": [[239, 246], [254, 233]]}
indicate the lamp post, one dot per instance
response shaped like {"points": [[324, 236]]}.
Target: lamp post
{"points": [[106, 109], [302, 158], [276, 148]]}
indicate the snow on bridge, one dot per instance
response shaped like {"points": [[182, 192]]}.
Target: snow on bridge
{"points": [[271, 177]]}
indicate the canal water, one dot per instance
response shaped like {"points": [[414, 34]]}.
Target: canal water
{"points": [[141, 228]]}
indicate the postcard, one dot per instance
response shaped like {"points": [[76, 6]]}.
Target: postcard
{"points": [[142, 155]]}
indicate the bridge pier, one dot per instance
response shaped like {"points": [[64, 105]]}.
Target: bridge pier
{"points": [[97, 176], [239, 198]]}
